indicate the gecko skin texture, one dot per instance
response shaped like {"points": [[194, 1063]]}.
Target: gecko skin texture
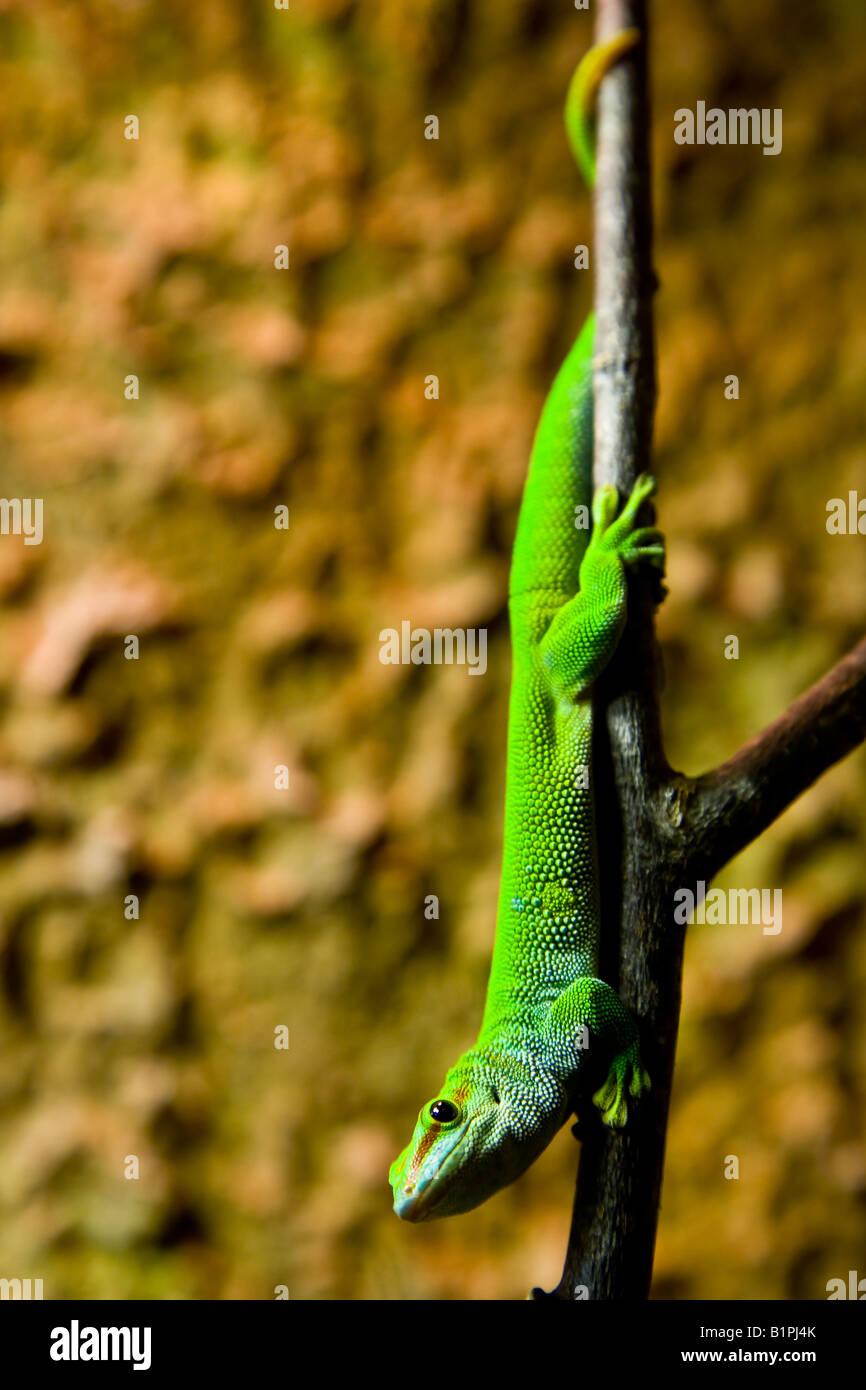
{"points": [[547, 1013]]}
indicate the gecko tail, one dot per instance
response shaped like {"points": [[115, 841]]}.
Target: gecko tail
{"points": [[551, 535], [551, 529], [580, 102]]}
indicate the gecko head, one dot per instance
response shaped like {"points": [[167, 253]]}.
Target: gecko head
{"points": [[480, 1132]]}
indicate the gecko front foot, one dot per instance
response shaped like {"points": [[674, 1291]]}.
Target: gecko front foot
{"points": [[625, 1077]]}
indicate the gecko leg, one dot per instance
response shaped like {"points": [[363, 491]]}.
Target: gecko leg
{"points": [[584, 633], [590, 1009]]}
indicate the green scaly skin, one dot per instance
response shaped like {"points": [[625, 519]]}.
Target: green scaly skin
{"points": [[546, 1012]]}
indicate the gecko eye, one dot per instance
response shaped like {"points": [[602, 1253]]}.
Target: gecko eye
{"points": [[443, 1111]]}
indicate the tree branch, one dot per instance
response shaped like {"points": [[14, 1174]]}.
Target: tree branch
{"points": [[726, 809], [656, 828], [612, 1239]]}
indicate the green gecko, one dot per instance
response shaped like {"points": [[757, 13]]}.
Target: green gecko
{"points": [[506, 1098]]}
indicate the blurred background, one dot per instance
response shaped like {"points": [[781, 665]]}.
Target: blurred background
{"points": [[262, 908]]}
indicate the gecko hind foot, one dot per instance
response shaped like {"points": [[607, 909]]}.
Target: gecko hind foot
{"points": [[646, 543], [625, 1077], [621, 534]]}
